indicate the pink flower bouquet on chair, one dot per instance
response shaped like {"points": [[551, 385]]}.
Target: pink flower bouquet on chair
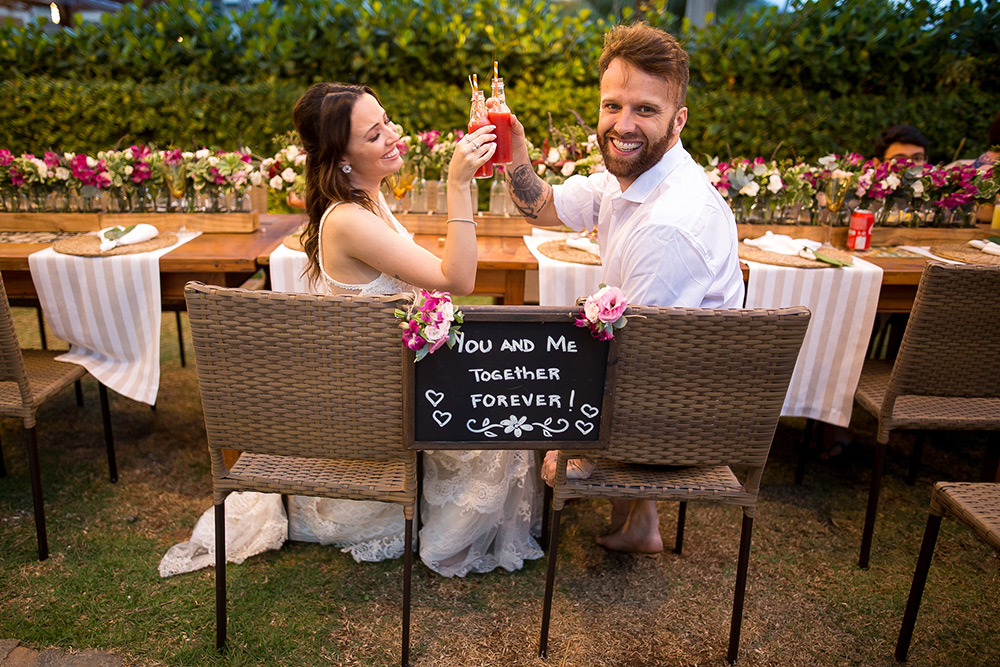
{"points": [[603, 312], [430, 322]]}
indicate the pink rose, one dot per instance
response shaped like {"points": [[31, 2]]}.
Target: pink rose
{"points": [[611, 304]]}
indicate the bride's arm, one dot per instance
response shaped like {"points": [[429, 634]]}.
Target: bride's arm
{"points": [[368, 239]]}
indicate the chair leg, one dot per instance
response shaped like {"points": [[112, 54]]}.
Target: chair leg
{"points": [[220, 576], [807, 436], [407, 573], [180, 338], [109, 439], [917, 587], [3, 468], [873, 491], [550, 578], [915, 456], [420, 494], [36, 493], [681, 516], [741, 589], [546, 514], [79, 393], [41, 328]]}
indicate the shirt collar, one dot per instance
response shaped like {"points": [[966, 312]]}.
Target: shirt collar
{"points": [[652, 177]]}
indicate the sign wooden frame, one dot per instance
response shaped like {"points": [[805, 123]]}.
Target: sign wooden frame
{"points": [[526, 315]]}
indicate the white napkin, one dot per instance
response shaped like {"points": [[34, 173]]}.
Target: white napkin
{"points": [[141, 232], [782, 244], [584, 243], [989, 247]]}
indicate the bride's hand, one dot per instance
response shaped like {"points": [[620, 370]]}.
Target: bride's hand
{"points": [[473, 151]]}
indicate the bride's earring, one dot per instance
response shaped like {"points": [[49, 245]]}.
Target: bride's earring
{"points": [[346, 168]]}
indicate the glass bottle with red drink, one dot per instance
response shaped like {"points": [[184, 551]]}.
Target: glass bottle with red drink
{"points": [[478, 118], [499, 116]]}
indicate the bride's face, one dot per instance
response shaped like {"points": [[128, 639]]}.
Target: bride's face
{"points": [[371, 150]]}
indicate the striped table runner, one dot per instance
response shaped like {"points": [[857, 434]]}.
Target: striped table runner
{"points": [[285, 267], [843, 303], [108, 309], [561, 283]]}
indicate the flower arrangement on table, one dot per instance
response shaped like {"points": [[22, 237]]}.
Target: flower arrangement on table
{"points": [[573, 149], [430, 322], [603, 312]]}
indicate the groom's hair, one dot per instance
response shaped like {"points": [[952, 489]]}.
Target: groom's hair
{"points": [[649, 50]]}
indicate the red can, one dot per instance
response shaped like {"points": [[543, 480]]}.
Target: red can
{"points": [[859, 234]]}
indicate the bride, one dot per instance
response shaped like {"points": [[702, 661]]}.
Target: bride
{"points": [[477, 506]]}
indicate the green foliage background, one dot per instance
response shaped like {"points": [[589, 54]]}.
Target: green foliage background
{"points": [[826, 76]]}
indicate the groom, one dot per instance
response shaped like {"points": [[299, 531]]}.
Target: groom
{"points": [[666, 236]]}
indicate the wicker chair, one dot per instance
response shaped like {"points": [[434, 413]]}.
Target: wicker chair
{"points": [[309, 389], [697, 388], [945, 377], [975, 505], [28, 378]]}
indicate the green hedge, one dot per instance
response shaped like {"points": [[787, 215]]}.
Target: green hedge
{"points": [[77, 116]]}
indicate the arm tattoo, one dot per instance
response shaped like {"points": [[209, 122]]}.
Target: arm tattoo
{"points": [[530, 193]]}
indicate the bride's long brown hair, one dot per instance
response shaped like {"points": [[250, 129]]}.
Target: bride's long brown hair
{"points": [[322, 117]]}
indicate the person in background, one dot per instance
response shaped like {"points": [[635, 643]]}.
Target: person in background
{"points": [[901, 141]]}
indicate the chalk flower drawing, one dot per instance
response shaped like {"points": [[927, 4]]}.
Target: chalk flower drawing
{"points": [[429, 322], [517, 426]]}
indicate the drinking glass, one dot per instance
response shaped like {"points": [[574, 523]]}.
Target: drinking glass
{"points": [[835, 191], [403, 185], [176, 177]]}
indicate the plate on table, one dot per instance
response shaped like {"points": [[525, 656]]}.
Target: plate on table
{"points": [[752, 254], [89, 245], [557, 249], [294, 240], [962, 252]]}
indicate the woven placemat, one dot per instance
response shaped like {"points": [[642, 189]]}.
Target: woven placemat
{"points": [[964, 253], [294, 241], [559, 250], [89, 245], [753, 254]]}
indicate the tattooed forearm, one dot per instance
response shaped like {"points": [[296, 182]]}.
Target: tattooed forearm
{"points": [[529, 192]]}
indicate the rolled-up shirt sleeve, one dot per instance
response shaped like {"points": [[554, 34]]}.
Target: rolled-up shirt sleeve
{"points": [[578, 200]]}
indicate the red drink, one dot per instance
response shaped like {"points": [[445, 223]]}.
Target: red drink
{"points": [[486, 171], [859, 234], [503, 153]]}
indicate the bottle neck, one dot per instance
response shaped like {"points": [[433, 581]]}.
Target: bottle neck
{"points": [[499, 96]]}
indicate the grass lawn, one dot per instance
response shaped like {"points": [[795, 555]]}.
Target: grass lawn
{"points": [[807, 602]]}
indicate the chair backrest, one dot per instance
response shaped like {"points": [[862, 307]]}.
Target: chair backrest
{"points": [[12, 367], [948, 347], [299, 374], [703, 386]]}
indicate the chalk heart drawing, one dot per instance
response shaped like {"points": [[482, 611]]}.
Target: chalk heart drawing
{"points": [[434, 397], [589, 410], [584, 427], [441, 417]]}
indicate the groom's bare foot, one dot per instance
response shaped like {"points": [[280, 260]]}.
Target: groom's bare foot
{"points": [[626, 541], [619, 515]]}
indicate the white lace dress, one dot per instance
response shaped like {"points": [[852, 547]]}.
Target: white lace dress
{"points": [[479, 508]]}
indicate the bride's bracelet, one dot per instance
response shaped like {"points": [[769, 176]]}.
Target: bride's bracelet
{"points": [[474, 223]]}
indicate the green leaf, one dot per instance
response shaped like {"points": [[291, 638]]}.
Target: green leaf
{"points": [[116, 233]]}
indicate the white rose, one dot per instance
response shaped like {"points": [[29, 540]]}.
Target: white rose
{"points": [[276, 183], [918, 188], [69, 156], [129, 169], [187, 154], [91, 162], [759, 169], [292, 152], [553, 155], [447, 311], [774, 183], [751, 189], [288, 174], [436, 332], [128, 153], [202, 153], [841, 174], [62, 173], [826, 161], [568, 168], [213, 160], [300, 159], [256, 178], [43, 170], [892, 180], [541, 170], [713, 176]]}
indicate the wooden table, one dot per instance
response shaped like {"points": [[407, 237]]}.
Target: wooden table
{"points": [[219, 259]]}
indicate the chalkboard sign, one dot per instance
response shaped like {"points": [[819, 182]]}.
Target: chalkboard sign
{"points": [[519, 377]]}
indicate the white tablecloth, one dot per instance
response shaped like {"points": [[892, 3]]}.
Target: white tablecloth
{"points": [[108, 310], [286, 266], [561, 283], [843, 303]]}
